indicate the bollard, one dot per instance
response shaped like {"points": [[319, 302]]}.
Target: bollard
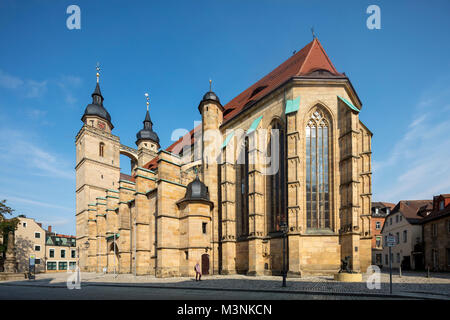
{"points": [[428, 272], [400, 271]]}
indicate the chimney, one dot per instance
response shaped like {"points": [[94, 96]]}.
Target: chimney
{"points": [[39, 224], [49, 228]]}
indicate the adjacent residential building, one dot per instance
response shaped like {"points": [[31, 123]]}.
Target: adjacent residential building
{"points": [[29, 240], [52, 252], [61, 252], [403, 222], [436, 235], [379, 212]]}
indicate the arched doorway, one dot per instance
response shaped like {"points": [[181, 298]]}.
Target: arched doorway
{"points": [[205, 264], [113, 258]]}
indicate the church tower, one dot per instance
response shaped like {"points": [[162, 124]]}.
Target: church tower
{"points": [[212, 116], [147, 140], [97, 170]]}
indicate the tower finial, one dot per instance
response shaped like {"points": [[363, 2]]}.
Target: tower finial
{"points": [[148, 99], [312, 31], [98, 70], [210, 82]]}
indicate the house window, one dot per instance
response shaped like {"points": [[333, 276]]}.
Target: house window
{"points": [[396, 219], [72, 265], [378, 242], [24, 224], [204, 227], [388, 210], [378, 259], [101, 149], [51, 265], [37, 248], [73, 254], [397, 235], [277, 180], [37, 235], [186, 255], [386, 259], [62, 265], [405, 236], [317, 172], [441, 205], [401, 217], [51, 253], [378, 225], [434, 230], [63, 253], [376, 210], [37, 261]]}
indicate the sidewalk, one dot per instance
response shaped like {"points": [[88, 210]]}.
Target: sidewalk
{"points": [[410, 285]]}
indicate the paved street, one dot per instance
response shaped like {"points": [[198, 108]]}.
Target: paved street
{"points": [[93, 292], [125, 286]]}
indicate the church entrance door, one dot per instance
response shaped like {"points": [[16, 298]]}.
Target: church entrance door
{"points": [[205, 263]]}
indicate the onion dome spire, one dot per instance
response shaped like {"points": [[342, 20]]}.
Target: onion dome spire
{"points": [[147, 132], [96, 108]]}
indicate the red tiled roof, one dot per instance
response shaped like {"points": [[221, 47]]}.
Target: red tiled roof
{"points": [[411, 208], [127, 177], [437, 214], [311, 58]]}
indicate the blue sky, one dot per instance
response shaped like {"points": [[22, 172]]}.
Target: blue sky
{"points": [[172, 48]]}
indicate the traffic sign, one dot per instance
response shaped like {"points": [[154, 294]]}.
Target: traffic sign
{"points": [[391, 241]]}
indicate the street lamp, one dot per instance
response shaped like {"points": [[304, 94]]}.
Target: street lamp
{"points": [[283, 228]]}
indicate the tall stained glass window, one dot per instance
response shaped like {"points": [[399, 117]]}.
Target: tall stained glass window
{"points": [[277, 181], [317, 172]]}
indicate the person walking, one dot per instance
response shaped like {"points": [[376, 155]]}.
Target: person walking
{"points": [[198, 272]]}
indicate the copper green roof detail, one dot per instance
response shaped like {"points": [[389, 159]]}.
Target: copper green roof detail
{"points": [[292, 105], [349, 104], [148, 178], [127, 188], [111, 190], [126, 181], [146, 170], [227, 139], [112, 197], [254, 125], [101, 198], [172, 182]]}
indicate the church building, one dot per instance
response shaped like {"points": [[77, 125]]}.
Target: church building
{"points": [[285, 165]]}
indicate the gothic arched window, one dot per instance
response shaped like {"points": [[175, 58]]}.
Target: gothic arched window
{"points": [[277, 181], [244, 188], [101, 149], [317, 171]]}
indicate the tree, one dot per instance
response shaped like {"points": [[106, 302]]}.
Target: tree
{"points": [[4, 209], [6, 225]]}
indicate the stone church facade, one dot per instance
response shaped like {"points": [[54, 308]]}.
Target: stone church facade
{"points": [[210, 198]]}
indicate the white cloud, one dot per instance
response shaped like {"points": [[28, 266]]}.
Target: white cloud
{"points": [[34, 202], [20, 151], [419, 165], [67, 84], [28, 88], [10, 82]]}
